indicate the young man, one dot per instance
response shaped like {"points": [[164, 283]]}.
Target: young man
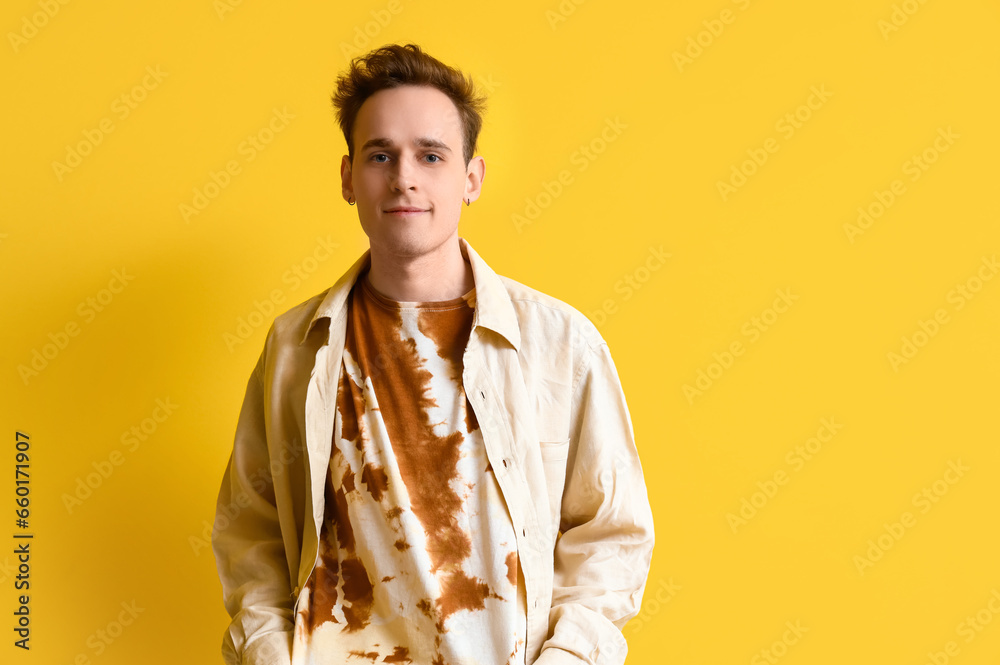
{"points": [[433, 464]]}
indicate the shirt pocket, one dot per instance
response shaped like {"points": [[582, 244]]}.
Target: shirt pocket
{"points": [[554, 456]]}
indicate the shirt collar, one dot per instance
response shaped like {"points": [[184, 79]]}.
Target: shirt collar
{"points": [[493, 309]]}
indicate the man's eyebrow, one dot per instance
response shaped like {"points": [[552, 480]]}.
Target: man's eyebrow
{"points": [[422, 142]]}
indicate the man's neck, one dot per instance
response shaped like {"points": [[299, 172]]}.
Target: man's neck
{"points": [[440, 275]]}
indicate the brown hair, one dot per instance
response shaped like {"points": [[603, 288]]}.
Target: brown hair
{"points": [[395, 65]]}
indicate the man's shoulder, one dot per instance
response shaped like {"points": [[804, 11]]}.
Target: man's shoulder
{"points": [[291, 325], [551, 315]]}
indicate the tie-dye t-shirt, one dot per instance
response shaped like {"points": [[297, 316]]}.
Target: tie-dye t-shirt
{"points": [[418, 558]]}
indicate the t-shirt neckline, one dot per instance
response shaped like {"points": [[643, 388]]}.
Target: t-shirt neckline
{"points": [[389, 303]]}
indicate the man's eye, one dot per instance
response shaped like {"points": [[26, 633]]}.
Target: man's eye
{"points": [[376, 156], [436, 158]]}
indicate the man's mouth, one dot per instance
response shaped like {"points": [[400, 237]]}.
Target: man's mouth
{"points": [[405, 211]]}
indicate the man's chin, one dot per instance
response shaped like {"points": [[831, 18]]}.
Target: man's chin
{"points": [[408, 245]]}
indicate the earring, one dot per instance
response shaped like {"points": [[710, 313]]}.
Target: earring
{"points": [[467, 203], [350, 201]]}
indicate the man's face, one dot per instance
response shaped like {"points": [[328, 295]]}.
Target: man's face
{"points": [[408, 175]]}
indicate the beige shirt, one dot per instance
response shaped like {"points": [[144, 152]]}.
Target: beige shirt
{"points": [[557, 433], [417, 554]]}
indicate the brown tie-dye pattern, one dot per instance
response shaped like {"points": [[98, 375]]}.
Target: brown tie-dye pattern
{"points": [[347, 482], [345, 530], [511, 562], [445, 331], [425, 606], [376, 480], [461, 592], [347, 405], [471, 424], [427, 462], [513, 654], [322, 587], [358, 591], [400, 655], [325, 580]]}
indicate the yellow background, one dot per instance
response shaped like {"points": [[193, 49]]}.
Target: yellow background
{"points": [[557, 75]]}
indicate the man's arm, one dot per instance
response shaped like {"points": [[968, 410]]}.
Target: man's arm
{"points": [[602, 557], [249, 551]]}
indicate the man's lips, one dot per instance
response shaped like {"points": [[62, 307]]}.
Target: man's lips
{"points": [[405, 211]]}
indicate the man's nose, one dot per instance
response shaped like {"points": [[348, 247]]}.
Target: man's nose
{"points": [[402, 177]]}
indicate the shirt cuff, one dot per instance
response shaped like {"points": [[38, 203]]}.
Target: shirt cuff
{"points": [[557, 656], [273, 648]]}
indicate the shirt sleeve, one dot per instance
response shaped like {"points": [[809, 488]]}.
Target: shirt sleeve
{"points": [[603, 554], [246, 539]]}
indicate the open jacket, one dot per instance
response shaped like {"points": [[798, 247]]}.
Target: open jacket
{"points": [[558, 435]]}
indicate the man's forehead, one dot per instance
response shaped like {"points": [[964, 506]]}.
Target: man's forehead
{"points": [[408, 113]]}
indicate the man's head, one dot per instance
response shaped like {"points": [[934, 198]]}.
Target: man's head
{"points": [[395, 65], [411, 125]]}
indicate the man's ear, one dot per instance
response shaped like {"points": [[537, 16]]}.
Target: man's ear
{"points": [[346, 183], [475, 173]]}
